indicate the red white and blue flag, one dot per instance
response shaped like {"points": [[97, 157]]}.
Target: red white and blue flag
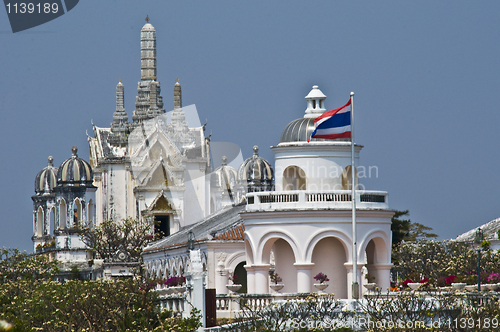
{"points": [[334, 124]]}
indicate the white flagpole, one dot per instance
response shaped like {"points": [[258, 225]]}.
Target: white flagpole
{"points": [[355, 285]]}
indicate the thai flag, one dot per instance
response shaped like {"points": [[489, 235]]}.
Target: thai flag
{"points": [[334, 124]]}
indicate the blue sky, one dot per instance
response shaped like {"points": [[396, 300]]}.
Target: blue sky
{"points": [[425, 75]]}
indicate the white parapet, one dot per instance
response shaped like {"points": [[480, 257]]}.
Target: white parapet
{"points": [[306, 199]]}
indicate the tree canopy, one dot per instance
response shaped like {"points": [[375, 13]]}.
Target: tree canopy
{"points": [[107, 238], [406, 230]]}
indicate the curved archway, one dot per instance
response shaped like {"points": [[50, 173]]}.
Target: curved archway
{"points": [[63, 212], [52, 213], [380, 250], [77, 212], [329, 257], [39, 222], [266, 244], [344, 239], [241, 273], [294, 178]]}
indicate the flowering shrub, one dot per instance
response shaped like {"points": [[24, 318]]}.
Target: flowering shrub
{"points": [[405, 283], [234, 278], [276, 278], [175, 281], [435, 259], [493, 278], [450, 279], [321, 277]]}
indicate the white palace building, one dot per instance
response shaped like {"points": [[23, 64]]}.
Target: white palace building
{"points": [[292, 216]]}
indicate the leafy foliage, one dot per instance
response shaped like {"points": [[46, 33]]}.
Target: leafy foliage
{"points": [[406, 230], [31, 301], [109, 237], [16, 265], [434, 259]]}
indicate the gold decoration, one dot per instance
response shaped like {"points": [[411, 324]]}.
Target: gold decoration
{"points": [[162, 205]]}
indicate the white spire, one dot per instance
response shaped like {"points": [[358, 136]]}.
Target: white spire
{"points": [[315, 103], [148, 52]]}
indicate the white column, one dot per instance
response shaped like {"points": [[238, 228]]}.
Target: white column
{"points": [[382, 275], [262, 278], [250, 279], [221, 281], [304, 279], [350, 280]]}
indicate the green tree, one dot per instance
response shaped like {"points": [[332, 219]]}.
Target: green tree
{"points": [[419, 232], [31, 301], [400, 227], [406, 230], [107, 238]]}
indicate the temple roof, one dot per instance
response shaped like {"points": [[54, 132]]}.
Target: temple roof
{"points": [[225, 224]]}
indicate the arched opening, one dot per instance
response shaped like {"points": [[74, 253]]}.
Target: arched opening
{"points": [[329, 257], [39, 222], [77, 212], [294, 178], [52, 220], [162, 225], [241, 273], [375, 253], [284, 260], [90, 212], [62, 214], [347, 178]]}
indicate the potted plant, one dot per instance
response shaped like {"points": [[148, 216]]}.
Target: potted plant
{"points": [[322, 279], [276, 279], [235, 286], [492, 281], [458, 283], [371, 282], [471, 281]]}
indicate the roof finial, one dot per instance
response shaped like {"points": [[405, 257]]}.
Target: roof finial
{"points": [[51, 161], [147, 18], [74, 149], [256, 150], [224, 160], [119, 80], [177, 80]]}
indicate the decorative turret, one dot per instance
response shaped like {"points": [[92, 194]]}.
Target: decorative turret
{"points": [[148, 103], [177, 95], [75, 171], [46, 179], [256, 173], [315, 103], [148, 52], [300, 130], [119, 126]]}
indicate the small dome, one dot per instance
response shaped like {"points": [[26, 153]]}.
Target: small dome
{"points": [[256, 173], [46, 179], [299, 131], [225, 176], [74, 171]]}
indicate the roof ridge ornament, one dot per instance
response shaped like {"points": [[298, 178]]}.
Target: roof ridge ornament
{"points": [[147, 18]]}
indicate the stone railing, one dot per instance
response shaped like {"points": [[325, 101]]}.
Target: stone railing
{"points": [[307, 199], [228, 306]]}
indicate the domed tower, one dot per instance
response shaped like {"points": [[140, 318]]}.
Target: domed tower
{"points": [[316, 165], [44, 204], [223, 183], [75, 201], [256, 173]]}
